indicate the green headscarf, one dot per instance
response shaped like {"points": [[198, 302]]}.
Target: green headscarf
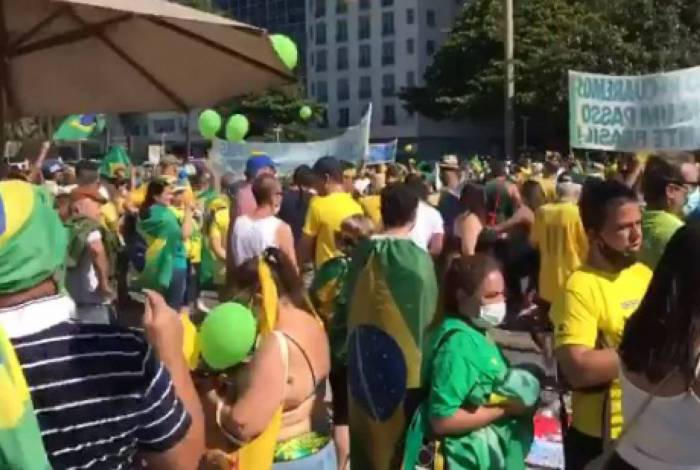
{"points": [[33, 240]]}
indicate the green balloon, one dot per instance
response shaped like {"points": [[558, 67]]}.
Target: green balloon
{"points": [[237, 128], [286, 50], [209, 123], [305, 113], [227, 335]]}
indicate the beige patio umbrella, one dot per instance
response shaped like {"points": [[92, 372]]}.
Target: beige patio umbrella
{"points": [[76, 56]]}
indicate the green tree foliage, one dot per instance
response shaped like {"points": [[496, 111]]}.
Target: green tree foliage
{"points": [[552, 37], [275, 111]]}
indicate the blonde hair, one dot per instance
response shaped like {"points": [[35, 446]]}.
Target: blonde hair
{"points": [[352, 231]]}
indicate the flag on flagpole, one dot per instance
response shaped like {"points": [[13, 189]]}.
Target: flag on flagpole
{"points": [[78, 127]]}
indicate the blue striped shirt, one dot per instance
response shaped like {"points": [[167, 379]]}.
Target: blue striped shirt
{"points": [[99, 392]]}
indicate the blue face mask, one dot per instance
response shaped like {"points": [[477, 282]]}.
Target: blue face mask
{"points": [[693, 202]]}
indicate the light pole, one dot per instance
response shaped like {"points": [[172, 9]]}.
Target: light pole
{"points": [[525, 120], [509, 85], [278, 129]]}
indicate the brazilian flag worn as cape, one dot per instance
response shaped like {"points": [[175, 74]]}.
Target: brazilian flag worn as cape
{"points": [[325, 294], [21, 447], [392, 295], [163, 237]]}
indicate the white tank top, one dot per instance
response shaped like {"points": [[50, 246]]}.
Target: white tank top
{"points": [[665, 436], [252, 236]]}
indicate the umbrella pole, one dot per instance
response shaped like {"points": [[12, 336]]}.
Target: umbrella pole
{"points": [[3, 85], [188, 138], [3, 135]]}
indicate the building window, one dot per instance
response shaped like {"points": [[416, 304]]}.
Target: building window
{"points": [[410, 16], [343, 91], [164, 126], [320, 34], [313, 88], [341, 6], [321, 61], [343, 117], [365, 88], [365, 56], [388, 53], [410, 79], [430, 47], [342, 58], [388, 84], [311, 32], [313, 59], [320, 8], [389, 118], [430, 17], [364, 29], [387, 3], [364, 4], [410, 46], [341, 31], [323, 124], [322, 92], [388, 23]]}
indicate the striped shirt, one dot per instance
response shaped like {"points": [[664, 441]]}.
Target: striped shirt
{"points": [[99, 392]]}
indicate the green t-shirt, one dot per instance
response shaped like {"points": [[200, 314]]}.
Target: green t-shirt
{"points": [[466, 369], [657, 229]]}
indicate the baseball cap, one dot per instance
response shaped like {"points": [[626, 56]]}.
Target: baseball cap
{"points": [[256, 163], [51, 167], [87, 192]]}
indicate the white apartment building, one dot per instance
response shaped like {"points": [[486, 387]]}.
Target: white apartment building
{"points": [[361, 51]]}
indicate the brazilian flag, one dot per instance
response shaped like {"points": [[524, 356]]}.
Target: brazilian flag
{"points": [[116, 160], [163, 237], [327, 284], [21, 446], [78, 127], [392, 295]]}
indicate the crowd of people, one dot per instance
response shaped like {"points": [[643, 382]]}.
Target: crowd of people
{"points": [[374, 289]]}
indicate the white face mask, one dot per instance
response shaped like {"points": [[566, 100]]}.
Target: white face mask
{"points": [[490, 316]]}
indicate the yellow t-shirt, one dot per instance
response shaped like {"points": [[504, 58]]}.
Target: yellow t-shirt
{"points": [[372, 206], [549, 187], [593, 302], [193, 245], [561, 240], [323, 219], [137, 196], [218, 230], [110, 217]]}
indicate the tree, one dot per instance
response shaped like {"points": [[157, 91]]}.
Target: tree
{"points": [[275, 111], [272, 114], [465, 79]]}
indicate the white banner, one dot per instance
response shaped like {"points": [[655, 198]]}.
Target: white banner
{"points": [[352, 146], [630, 113]]}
